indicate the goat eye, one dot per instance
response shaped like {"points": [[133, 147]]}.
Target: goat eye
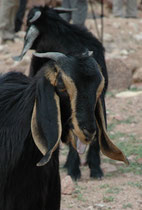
{"points": [[61, 87], [62, 90]]}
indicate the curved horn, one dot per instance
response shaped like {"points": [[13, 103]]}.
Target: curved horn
{"points": [[35, 17], [52, 55], [90, 53], [31, 35], [64, 10]]}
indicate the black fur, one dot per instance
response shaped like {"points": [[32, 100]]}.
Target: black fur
{"points": [[23, 185]]}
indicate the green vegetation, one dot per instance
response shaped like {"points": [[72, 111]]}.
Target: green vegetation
{"points": [[128, 205], [108, 199]]}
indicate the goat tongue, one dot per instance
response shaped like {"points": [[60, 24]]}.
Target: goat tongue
{"points": [[80, 146]]}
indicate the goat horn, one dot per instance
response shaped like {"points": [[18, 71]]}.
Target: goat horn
{"points": [[90, 53], [64, 10], [31, 35], [35, 17], [52, 55]]}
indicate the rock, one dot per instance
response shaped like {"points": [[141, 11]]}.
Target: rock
{"points": [[99, 205], [116, 25], [67, 186], [124, 52], [136, 86], [139, 161], [109, 168], [138, 37], [9, 61], [137, 76], [21, 34], [120, 76], [1, 48], [132, 158], [108, 37], [127, 94], [90, 208], [132, 64]]}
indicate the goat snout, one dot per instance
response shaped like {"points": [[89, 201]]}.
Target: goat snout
{"points": [[90, 135]]}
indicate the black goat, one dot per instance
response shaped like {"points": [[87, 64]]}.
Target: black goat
{"points": [[46, 32], [36, 110], [23, 185]]}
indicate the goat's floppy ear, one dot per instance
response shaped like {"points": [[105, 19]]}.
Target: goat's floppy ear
{"points": [[106, 145], [46, 120]]}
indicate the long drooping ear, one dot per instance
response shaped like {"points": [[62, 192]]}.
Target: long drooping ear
{"points": [[46, 120], [106, 145]]}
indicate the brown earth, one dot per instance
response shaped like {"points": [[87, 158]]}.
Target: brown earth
{"points": [[121, 187]]}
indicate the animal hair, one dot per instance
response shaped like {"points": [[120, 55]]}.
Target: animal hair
{"points": [[23, 185]]}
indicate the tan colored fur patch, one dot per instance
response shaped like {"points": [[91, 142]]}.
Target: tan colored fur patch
{"points": [[58, 122], [51, 75], [72, 91], [100, 88], [35, 133]]}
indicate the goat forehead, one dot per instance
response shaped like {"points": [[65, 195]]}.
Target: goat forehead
{"points": [[83, 81]]}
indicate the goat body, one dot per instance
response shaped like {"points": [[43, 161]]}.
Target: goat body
{"points": [[23, 185], [35, 114]]}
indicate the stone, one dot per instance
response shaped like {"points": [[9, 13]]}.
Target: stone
{"points": [[124, 52], [1, 48], [109, 168], [90, 208], [138, 37], [127, 94], [120, 76], [139, 161], [137, 76], [108, 37]]}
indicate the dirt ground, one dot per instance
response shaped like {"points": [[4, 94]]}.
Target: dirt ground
{"points": [[121, 187]]}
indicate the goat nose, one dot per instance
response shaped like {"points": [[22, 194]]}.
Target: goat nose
{"points": [[88, 134]]}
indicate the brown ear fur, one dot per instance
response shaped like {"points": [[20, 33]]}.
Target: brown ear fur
{"points": [[106, 145]]}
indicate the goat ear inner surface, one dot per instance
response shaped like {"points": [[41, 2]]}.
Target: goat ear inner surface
{"points": [[106, 145], [46, 120]]}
